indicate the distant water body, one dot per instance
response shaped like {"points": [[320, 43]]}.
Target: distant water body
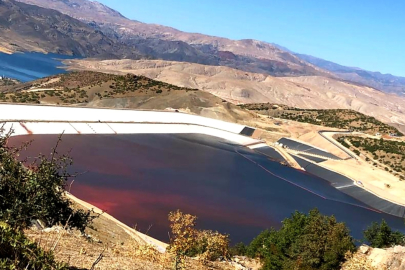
{"points": [[31, 66]]}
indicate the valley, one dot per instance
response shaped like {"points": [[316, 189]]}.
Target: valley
{"points": [[116, 135]]}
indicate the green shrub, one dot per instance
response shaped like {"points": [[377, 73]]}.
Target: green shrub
{"points": [[36, 192], [18, 252], [312, 241], [240, 249], [382, 236]]}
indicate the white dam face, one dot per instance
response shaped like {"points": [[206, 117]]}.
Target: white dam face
{"points": [[24, 120]]}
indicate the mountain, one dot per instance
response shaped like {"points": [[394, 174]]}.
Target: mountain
{"points": [[130, 38], [236, 86], [26, 27], [383, 82], [171, 44], [167, 43]]}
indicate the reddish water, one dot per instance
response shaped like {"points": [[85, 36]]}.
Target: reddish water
{"points": [[139, 179]]}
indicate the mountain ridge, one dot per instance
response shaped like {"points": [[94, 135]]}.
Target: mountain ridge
{"points": [[25, 27], [248, 55]]}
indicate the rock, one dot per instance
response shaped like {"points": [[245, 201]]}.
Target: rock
{"points": [[364, 249], [399, 249]]}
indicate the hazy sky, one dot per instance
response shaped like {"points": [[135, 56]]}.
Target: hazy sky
{"points": [[367, 34]]}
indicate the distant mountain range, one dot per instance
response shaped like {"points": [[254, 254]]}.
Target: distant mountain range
{"points": [[384, 82], [123, 36]]}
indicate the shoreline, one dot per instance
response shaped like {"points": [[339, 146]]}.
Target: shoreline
{"points": [[145, 239], [6, 51]]}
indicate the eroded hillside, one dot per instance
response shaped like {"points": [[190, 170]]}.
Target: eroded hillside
{"points": [[309, 92]]}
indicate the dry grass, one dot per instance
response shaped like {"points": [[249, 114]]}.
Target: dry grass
{"points": [[82, 253], [357, 261], [114, 248]]}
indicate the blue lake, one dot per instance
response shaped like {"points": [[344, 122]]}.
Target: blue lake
{"points": [[30, 66]]}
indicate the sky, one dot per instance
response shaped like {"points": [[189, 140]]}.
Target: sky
{"points": [[357, 33]]}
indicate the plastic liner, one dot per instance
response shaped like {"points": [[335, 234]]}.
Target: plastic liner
{"points": [[314, 159], [270, 152], [247, 131], [297, 146], [347, 186]]}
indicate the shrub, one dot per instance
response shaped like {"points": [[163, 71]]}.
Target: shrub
{"points": [[18, 252], [36, 192], [312, 241], [382, 236], [210, 245], [187, 241], [240, 249]]}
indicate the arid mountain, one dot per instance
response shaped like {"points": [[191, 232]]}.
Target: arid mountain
{"points": [[170, 44], [383, 82], [311, 92], [26, 27], [167, 43]]}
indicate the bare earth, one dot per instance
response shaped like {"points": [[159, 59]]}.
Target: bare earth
{"points": [[5, 50], [312, 92]]}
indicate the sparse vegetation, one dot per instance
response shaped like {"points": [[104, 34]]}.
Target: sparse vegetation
{"points": [[338, 118], [387, 154], [81, 87], [4, 82]]}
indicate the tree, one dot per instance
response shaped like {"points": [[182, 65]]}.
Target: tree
{"points": [[36, 191], [18, 252], [312, 241], [382, 236]]}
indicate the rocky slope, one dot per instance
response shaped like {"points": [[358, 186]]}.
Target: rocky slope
{"points": [[248, 55], [312, 92], [368, 258], [171, 44], [31, 28]]}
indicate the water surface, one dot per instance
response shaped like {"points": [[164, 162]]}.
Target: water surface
{"points": [[31, 66], [140, 178]]}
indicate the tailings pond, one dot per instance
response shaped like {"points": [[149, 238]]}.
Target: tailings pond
{"points": [[140, 178]]}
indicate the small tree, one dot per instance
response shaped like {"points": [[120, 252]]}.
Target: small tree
{"points": [[183, 237], [36, 191], [187, 241], [382, 236], [312, 241]]}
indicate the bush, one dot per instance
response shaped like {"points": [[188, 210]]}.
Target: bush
{"points": [[382, 236], [187, 241], [18, 252], [36, 192], [240, 249], [312, 241]]}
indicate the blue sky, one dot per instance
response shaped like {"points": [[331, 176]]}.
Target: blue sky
{"points": [[366, 34]]}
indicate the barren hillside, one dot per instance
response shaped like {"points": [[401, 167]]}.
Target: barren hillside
{"points": [[312, 92]]}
